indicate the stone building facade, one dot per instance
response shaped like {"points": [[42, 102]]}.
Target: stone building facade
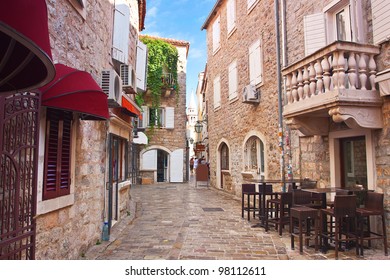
{"points": [[335, 87], [81, 37], [242, 136], [165, 157]]}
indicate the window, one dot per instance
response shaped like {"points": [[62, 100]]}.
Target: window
{"points": [[217, 92], [254, 155], [120, 44], [224, 157], [231, 15], [216, 34], [57, 154], [340, 20], [255, 63], [162, 117], [233, 80], [380, 21]]}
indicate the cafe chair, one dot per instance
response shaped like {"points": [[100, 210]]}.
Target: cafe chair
{"points": [[343, 215], [249, 192], [301, 220], [373, 206], [280, 206], [304, 198]]}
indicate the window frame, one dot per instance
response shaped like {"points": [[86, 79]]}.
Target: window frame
{"points": [[255, 63], [233, 84], [256, 143], [231, 16], [216, 29], [225, 155], [217, 92]]}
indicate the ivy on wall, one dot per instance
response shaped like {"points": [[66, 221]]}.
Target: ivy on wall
{"points": [[162, 59]]}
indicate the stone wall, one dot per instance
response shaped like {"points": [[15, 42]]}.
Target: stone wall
{"points": [[83, 43], [235, 120]]}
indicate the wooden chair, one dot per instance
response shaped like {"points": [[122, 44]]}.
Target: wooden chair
{"points": [[280, 205], [249, 190], [373, 206], [304, 198], [343, 215]]}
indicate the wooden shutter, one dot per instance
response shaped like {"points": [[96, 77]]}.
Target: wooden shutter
{"points": [[177, 166], [231, 15], [120, 45], [149, 160], [380, 20], [255, 63], [145, 117], [216, 34], [170, 117], [217, 92], [142, 65], [57, 154], [233, 80], [315, 32]]}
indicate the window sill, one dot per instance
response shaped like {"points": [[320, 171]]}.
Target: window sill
{"points": [[250, 9], [231, 32], [217, 50], [233, 99], [226, 172], [54, 204], [124, 185]]}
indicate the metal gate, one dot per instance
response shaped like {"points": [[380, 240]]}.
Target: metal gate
{"points": [[19, 140]]}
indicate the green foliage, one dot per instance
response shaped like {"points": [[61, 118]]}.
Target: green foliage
{"points": [[162, 58]]}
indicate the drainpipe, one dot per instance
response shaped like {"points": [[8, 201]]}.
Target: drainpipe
{"points": [[280, 97]]}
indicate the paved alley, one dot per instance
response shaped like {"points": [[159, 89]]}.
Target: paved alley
{"points": [[181, 222]]}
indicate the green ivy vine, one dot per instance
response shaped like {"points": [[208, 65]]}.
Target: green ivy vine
{"points": [[161, 56]]}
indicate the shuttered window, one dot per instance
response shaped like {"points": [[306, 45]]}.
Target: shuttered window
{"points": [[216, 34], [142, 65], [315, 33], [120, 45], [217, 92], [231, 15], [233, 80], [224, 157], [380, 20], [255, 64], [57, 154]]}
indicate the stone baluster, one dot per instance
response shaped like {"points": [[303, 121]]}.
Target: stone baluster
{"points": [[326, 68], [341, 70], [372, 68], [300, 84], [312, 76], [335, 75], [306, 82], [363, 71], [288, 89], [352, 70], [294, 86], [319, 76]]}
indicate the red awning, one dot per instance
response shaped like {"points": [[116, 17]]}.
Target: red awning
{"points": [[75, 90], [25, 54], [131, 107]]}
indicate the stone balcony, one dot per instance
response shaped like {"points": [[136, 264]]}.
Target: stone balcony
{"points": [[336, 83]]}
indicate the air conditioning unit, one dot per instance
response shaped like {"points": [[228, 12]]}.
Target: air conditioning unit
{"points": [[111, 84], [250, 94], [128, 76]]}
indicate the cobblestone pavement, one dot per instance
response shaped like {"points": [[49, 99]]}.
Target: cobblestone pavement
{"points": [[181, 222]]}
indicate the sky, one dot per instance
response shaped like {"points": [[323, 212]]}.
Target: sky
{"points": [[182, 20]]}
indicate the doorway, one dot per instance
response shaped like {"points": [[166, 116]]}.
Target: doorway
{"points": [[353, 162], [162, 166]]}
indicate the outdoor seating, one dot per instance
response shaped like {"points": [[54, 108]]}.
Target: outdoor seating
{"points": [[373, 206], [249, 191], [304, 198], [301, 220], [280, 207], [343, 215]]}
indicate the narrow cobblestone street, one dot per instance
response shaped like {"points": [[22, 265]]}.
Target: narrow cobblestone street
{"points": [[181, 222]]}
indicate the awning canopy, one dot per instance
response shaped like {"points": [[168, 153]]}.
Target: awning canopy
{"points": [[25, 54], [75, 90], [131, 108]]}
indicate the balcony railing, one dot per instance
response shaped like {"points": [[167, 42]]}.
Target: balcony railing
{"points": [[168, 80], [338, 76]]}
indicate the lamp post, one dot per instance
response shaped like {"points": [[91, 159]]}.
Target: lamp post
{"points": [[198, 127]]}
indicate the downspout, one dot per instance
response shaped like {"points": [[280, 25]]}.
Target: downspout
{"points": [[280, 97]]}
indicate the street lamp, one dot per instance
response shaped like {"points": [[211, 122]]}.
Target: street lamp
{"points": [[199, 126], [191, 141]]}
